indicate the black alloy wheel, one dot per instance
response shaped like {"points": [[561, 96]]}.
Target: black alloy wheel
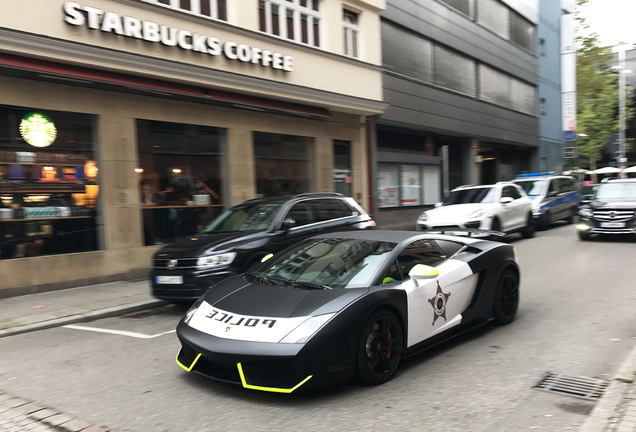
{"points": [[506, 297], [379, 349], [528, 231]]}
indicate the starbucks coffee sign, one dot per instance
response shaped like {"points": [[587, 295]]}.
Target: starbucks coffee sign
{"points": [[38, 130], [110, 22]]}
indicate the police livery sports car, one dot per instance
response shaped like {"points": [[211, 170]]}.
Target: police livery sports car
{"points": [[346, 305]]}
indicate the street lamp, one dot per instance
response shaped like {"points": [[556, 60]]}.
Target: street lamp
{"points": [[621, 48]]}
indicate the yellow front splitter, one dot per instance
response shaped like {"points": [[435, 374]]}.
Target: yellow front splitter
{"points": [[268, 389], [242, 375]]}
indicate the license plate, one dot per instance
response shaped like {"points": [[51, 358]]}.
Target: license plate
{"points": [[612, 224], [169, 280]]}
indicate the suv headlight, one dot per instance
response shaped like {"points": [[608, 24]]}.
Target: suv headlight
{"points": [[585, 212], [422, 217], [215, 261], [476, 214]]}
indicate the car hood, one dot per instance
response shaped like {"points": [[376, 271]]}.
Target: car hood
{"points": [[454, 212], [239, 296], [200, 244]]}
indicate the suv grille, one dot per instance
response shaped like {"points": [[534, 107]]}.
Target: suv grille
{"points": [[613, 215], [183, 263]]}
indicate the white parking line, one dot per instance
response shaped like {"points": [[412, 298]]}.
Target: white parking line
{"points": [[118, 332]]}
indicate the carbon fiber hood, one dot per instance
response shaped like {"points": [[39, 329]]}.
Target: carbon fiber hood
{"points": [[237, 295]]}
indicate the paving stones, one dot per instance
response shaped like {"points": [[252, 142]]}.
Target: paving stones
{"points": [[20, 415]]}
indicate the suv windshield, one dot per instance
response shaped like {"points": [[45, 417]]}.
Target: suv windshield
{"points": [[532, 187], [470, 196], [616, 191], [245, 217], [325, 264]]}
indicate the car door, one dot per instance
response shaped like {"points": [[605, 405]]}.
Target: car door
{"points": [[331, 215], [507, 211], [518, 214], [435, 304]]}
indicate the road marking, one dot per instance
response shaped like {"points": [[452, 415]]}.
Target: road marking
{"points": [[118, 332]]}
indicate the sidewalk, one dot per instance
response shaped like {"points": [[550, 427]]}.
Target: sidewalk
{"points": [[32, 312]]}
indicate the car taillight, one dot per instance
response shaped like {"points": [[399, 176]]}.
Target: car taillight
{"points": [[372, 224]]}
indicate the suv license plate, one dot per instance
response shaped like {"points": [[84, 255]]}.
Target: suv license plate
{"points": [[169, 280], [612, 224]]}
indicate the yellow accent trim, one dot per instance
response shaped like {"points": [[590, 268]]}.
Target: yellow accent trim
{"points": [[268, 389], [187, 369], [266, 257]]}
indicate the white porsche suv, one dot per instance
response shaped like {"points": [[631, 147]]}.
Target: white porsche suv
{"points": [[502, 207]]}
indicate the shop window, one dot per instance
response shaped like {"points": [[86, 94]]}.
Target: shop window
{"points": [[342, 178], [49, 183], [283, 164], [296, 20], [181, 178], [216, 9], [351, 29], [402, 185]]}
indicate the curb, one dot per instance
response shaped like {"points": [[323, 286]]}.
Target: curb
{"points": [[48, 416], [605, 413], [89, 316]]}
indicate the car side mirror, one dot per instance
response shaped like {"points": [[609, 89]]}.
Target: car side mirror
{"points": [[439, 204], [422, 271], [552, 194], [506, 200], [287, 224], [587, 197]]}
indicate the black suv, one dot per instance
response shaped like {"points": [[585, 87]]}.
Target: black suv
{"points": [[612, 209], [242, 236]]}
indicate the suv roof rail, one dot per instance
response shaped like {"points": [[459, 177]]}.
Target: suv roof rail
{"points": [[465, 186], [606, 179]]}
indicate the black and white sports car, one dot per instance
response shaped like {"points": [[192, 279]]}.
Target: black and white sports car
{"points": [[346, 305]]}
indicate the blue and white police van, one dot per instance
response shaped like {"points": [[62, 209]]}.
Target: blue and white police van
{"points": [[553, 197]]}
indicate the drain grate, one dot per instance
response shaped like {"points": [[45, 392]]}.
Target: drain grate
{"points": [[570, 385]]}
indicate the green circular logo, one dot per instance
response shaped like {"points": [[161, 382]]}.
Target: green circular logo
{"points": [[38, 130]]}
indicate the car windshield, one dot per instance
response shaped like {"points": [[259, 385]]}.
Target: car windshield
{"points": [[587, 190], [245, 217], [470, 196], [325, 264], [532, 187], [616, 191]]}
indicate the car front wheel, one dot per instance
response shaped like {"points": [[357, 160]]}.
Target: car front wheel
{"points": [[379, 349]]}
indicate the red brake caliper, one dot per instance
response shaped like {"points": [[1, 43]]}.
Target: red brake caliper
{"points": [[388, 352]]}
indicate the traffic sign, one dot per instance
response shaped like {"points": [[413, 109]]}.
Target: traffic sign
{"points": [[569, 135]]}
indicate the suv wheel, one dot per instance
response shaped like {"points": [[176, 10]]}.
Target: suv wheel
{"points": [[544, 221]]}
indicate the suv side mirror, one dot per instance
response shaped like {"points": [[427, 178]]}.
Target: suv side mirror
{"points": [[439, 204], [506, 200], [552, 194], [287, 224]]}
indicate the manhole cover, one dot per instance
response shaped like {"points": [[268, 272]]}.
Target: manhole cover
{"points": [[570, 385]]}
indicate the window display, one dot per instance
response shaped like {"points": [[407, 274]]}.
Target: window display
{"points": [[180, 178], [388, 186], [48, 183], [283, 164], [403, 185]]}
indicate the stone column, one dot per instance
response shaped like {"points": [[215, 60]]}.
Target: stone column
{"points": [[240, 166]]}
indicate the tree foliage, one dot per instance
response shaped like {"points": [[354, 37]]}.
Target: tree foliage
{"points": [[597, 91]]}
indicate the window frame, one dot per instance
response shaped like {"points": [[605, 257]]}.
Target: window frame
{"points": [[351, 32], [218, 8], [297, 11]]}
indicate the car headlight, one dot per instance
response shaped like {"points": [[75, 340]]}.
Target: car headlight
{"points": [[307, 329], [585, 212], [215, 261], [476, 214], [422, 217]]}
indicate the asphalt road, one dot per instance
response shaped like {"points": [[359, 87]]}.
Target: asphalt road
{"points": [[577, 316]]}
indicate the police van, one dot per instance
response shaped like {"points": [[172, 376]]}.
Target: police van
{"points": [[553, 197]]}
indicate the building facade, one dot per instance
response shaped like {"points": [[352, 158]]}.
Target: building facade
{"points": [[127, 123], [461, 79]]}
